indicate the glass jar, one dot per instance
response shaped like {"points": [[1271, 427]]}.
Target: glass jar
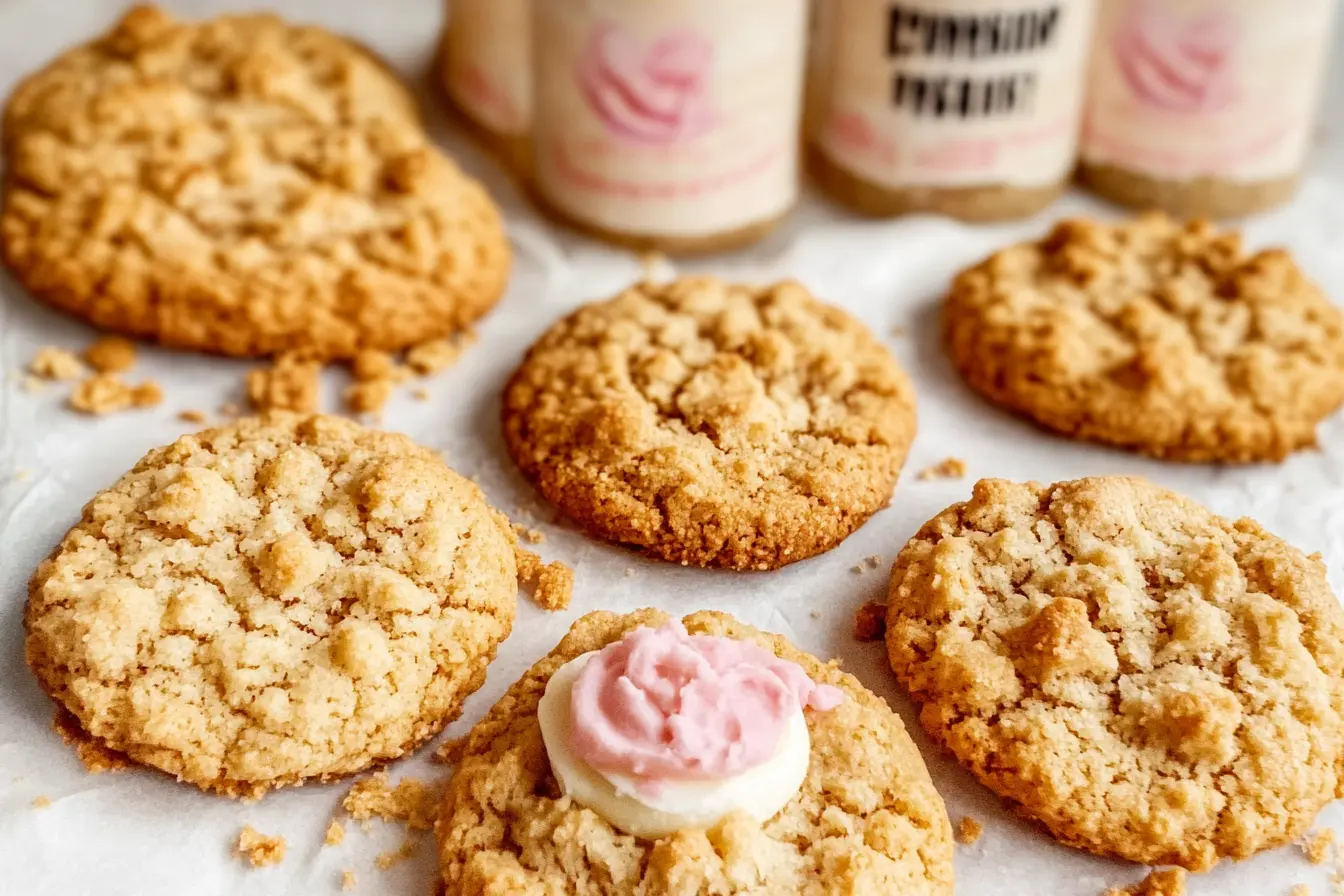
{"points": [[485, 65], [1204, 107], [668, 124], [969, 108]]}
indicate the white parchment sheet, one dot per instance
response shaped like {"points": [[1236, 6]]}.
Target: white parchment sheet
{"points": [[140, 834]]}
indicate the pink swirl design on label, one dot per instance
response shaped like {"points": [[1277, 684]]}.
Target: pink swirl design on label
{"points": [[663, 705], [657, 94], [1183, 65]]}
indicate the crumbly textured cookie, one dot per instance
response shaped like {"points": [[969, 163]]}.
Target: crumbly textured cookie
{"points": [[242, 186], [280, 599], [712, 424], [1144, 678], [1164, 338], [867, 820]]}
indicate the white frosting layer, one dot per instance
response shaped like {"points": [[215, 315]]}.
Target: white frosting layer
{"points": [[678, 805]]}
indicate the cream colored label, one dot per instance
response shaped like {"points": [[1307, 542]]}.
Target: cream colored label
{"points": [[948, 93], [669, 117], [489, 59], [1206, 88]]}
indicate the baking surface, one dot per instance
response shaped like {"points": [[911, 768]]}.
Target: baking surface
{"points": [[140, 834]]}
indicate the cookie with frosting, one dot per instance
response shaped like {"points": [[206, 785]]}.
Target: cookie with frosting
{"points": [[647, 755]]}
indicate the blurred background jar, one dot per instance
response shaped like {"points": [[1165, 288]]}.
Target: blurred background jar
{"points": [[1204, 107], [485, 66], [970, 108], [668, 124]]}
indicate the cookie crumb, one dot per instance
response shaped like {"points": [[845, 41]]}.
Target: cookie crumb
{"points": [[438, 354], [259, 849], [412, 801], [969, 830], [368, 397], [54, 363], [335, 834], [1167, 882], [347, 880], [873, 562], [898, 331], [654, 265], [857, 569], [870, 623], [33, 384], [370, 365], [815, 614], [106, 393], [192, 416], [1317, 846], [290, 384], [555, 586], [531, 536], [393, 857], [552, 583], [229, 409], [1300, 890], [948, 468], [96, 757], [420, 395], [111, 354], [41, 802], [629, 573]]}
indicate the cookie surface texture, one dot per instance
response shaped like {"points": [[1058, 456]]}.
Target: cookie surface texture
{"points": [[1144, 678], [280, 599], [1164, 338], [712, 424], [241, 186], [866, 822]]}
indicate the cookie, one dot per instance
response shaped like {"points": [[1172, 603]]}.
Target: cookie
{"points": [[241, 186], [1155, 336], [712, 424], [866, 821], [277, 600], [1145, 679]]}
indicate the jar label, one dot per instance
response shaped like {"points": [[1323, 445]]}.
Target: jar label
{"points": [[1206, 88], [489, 62], [671, 118], [954, 93]]}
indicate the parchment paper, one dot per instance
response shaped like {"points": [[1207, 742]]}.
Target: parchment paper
{"points": [[140, 834]]}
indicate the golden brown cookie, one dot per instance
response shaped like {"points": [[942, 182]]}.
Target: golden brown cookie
{"points": [[712, 424], [1145, 679], [867, 821], [242, 186], [280, 599], [1160, 337]]}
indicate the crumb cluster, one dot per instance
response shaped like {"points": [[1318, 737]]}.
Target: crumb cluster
{"points": [[292, 382], [1164, 882], [412, 802], [870, 623], [969, 830], [948, 468], [101, 391], [552, 583], [259, 849]]}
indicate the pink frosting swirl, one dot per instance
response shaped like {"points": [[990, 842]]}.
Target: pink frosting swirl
{"points": [[662, 704]]}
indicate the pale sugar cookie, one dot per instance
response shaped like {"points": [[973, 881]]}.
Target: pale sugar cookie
{"points": [[1144, 678], [1161, 337], [866, 820], [712, 424], [243, 186], [277, 600]]}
